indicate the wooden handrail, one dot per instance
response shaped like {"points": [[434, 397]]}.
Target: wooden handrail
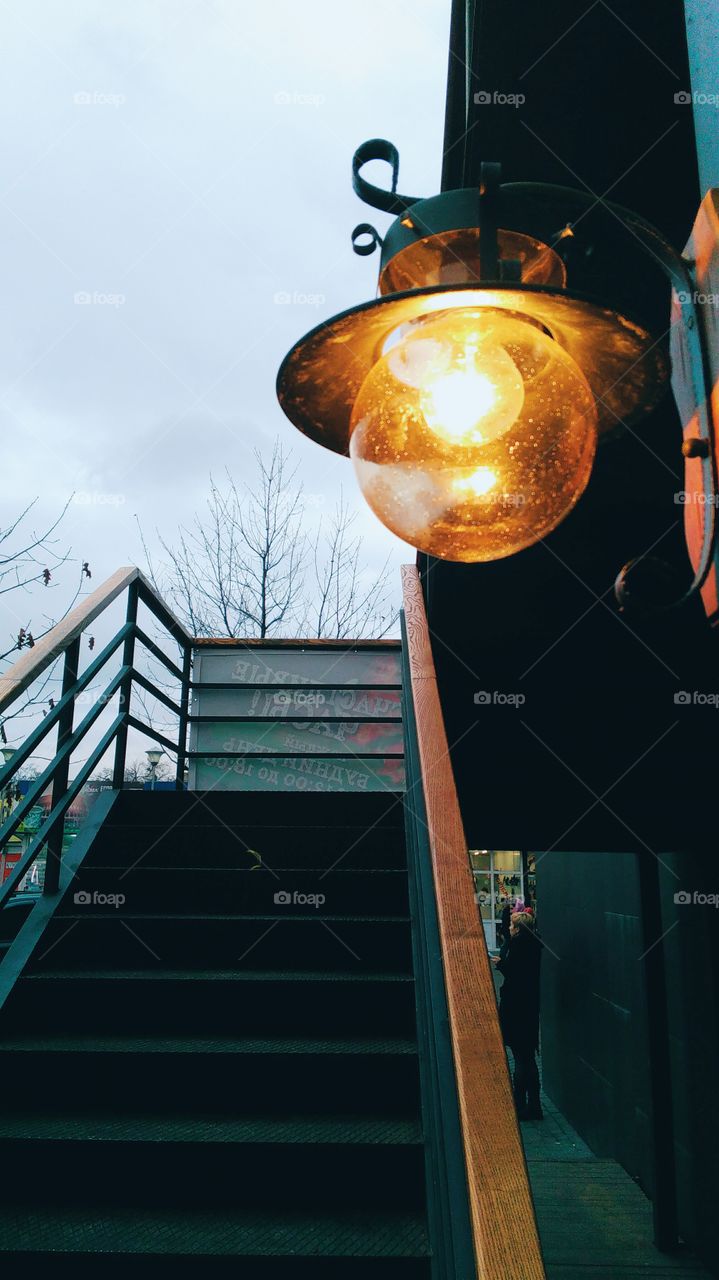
{"points": [[504, 1229], [33, 662]]}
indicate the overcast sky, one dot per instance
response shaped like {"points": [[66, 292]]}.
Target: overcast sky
{"points": [[172, 172]]}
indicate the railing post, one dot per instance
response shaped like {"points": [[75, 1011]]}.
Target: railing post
{"points": [[62, 773], [128, 657], [184, 711], [664, 1191]]}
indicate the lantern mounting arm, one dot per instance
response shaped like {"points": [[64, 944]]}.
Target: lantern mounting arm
{"points": [[678, 271]]}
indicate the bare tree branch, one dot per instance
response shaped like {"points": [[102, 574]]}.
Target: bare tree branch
{"points": [[347, 601], [23, 568], [246, 567]]}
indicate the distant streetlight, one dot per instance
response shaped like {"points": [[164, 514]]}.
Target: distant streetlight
{"points": [[154, 756]]}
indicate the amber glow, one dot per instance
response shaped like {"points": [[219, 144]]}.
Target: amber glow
{"points": [[452, 257], [481, 481], [473, 435]]}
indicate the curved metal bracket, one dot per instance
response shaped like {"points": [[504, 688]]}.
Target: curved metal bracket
{"points": [[366, 229], [379, 197]]}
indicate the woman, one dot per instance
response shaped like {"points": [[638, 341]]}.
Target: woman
{"points": [[519, 1010]]}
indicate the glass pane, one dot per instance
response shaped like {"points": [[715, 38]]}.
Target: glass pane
{"points": [[245, 664], [507, 859], [285, 704], [482, 889], [298, 774], [353, 737], [479, 859]]}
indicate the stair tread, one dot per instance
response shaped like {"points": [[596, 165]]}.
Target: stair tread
{"points": [[382, 1045], [215, 975], [323, 872], [376, 1233], [239, 916], [111, 1127]]}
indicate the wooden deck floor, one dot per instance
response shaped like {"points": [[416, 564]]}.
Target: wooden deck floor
{"points": [[595, 1223]]}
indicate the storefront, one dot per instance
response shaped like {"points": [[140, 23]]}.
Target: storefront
{"points": [[501, 876]]}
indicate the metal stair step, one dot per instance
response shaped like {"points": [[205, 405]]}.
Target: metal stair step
{"points": [[208, 941], [134, 1231], [186, 1126], [269, 1162], [163, 1074], [251, 887]]}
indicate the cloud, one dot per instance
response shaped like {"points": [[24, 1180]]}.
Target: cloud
{"points": [[150, 159]]}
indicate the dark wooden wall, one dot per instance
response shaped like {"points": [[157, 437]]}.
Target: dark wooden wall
{"points": [[594, 1036]]}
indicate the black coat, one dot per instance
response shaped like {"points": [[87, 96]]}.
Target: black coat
{"points": [[519, 996]]}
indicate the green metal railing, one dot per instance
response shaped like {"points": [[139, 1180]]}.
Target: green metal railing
{"points": [[64, 639]]}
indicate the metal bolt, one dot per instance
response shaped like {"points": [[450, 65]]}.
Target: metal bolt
{"points": [[693, 447]]}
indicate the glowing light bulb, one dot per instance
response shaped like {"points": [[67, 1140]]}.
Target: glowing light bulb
{"points": [[473, 435], [477, 399], [481, 481]]}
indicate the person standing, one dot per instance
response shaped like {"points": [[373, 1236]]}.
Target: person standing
{"points": [[505, 929], [519, 1010]]}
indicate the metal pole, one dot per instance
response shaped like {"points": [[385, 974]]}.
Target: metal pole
{"points": [[664, 1200], [62, 773], [128, 657], [184, 711]]}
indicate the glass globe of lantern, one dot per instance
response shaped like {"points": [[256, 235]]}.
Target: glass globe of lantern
{"points": [[474, 434]]}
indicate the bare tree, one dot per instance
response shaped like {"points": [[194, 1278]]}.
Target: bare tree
{"points": [[269, 527], [235, 571], [32, 558], [347, 601], [246, 567], [137, 772]]}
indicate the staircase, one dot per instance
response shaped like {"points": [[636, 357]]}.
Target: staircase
{"points": [[208, 1068]]}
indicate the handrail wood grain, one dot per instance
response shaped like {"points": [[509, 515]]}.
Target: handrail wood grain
{"points": [[504, 1228], [33, 662]]}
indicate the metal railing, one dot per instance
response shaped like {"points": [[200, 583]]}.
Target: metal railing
{"points": [[64, 639]]}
